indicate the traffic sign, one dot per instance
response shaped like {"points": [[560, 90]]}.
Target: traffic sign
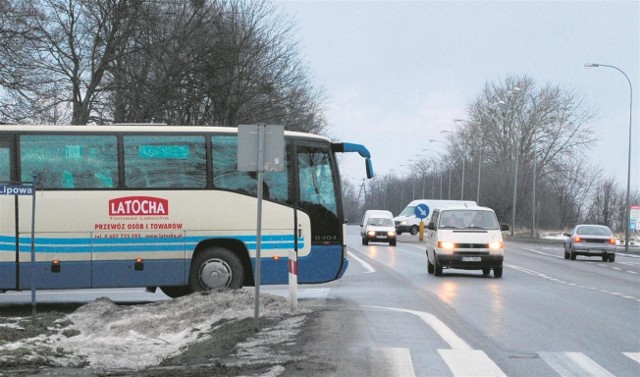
{"points": [[421, 211]]}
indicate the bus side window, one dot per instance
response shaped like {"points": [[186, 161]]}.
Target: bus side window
{"points": [[136, 178]]}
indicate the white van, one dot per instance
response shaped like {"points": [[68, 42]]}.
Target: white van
{"points": [[468, 238], [377, 226], [407, 221]]}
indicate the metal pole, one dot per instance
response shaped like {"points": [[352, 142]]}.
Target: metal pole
{"points": [[479, 169], [256, 314], [533, 199], [33, 250], [462, 183], [515, 191]]}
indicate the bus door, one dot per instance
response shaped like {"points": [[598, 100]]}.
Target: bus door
{"points": [[8, 246], [319, 213]]}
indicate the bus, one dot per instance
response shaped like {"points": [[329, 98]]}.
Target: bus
{"points": [[165, 206]]}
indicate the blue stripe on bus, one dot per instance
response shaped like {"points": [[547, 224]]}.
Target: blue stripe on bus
{"points": [[84, 245]]}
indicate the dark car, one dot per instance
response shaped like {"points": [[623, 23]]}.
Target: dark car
{"points": [[591, 241]]}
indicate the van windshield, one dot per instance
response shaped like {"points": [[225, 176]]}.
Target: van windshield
{"points": [[468, 219], [380, 222]]}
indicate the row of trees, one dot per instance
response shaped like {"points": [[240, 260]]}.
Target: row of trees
{"points": [[514, 134], [229, 62], [205, 62]]}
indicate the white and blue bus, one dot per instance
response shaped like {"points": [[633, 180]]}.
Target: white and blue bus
{"points": [[165, 206]]}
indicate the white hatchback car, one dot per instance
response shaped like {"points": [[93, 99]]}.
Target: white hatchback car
{"points": [[379, 229]]}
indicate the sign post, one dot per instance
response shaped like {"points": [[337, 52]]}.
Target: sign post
{"points": [[26, 189], [421, 211], [260, 149]]}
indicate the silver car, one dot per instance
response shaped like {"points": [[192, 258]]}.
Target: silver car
{"points": [[590, 240]]}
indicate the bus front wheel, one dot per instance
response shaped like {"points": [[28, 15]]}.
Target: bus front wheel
{"points": [[216, 268], [176, 291]]}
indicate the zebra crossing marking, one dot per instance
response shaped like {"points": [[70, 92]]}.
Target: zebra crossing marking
{"points": [[390, 362], [574, 364]]}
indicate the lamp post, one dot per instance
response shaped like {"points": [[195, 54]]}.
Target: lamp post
{"points": [[515, 175], [628, 204]]}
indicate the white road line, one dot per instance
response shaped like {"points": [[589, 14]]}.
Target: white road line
{"points": [[364, 264], [543, 253], [454, 341], [470, 363], [574, 364], [390, 362], [559, 281], [635, 356]]}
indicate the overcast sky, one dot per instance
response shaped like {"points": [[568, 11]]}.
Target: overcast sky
{"points": [[396, 73]]}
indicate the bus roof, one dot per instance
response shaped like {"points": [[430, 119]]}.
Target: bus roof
{"points": [[140, 128]]}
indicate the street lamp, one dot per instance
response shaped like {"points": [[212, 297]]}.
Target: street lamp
{"points": [[462, 181], [533, 195], [479, 162], [628, 204]]}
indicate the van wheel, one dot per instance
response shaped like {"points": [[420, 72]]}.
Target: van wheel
{"points": [[365, 241], [216, 268], [429, 266], [437, 269], [497, 272], [486, 271], [612, 257], [414, 230], [392, 243], [572, 255]]}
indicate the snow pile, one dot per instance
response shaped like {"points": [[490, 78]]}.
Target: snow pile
{"points": [[104, 335]]}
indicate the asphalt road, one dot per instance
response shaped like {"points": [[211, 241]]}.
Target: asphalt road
{"points": [[546, 316]]}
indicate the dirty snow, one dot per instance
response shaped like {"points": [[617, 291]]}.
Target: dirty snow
{"points": [[109, 336]]}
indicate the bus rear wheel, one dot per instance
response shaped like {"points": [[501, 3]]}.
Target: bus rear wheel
{"points": [[216, 268]]}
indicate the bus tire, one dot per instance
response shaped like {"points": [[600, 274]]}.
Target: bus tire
{"points": [[176, 291], [216, 268]]}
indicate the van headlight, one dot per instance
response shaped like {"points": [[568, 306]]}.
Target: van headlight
{"points": [[391, 233], [371, 233], [446, 246], [496, 245]]}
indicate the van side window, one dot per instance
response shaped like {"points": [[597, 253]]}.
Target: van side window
{"points": [[434, 218]]}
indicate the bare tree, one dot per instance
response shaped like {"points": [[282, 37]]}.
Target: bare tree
{"points": [[217, 63], [513, 122], [65, 51]]}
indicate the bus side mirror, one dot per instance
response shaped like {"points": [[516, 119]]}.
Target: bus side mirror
{"points": [[369, 167]]}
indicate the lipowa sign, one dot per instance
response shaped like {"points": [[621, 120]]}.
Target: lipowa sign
{"points": [[138, 206]]}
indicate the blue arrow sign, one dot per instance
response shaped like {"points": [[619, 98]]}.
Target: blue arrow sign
{"points": [[421, 211]]}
